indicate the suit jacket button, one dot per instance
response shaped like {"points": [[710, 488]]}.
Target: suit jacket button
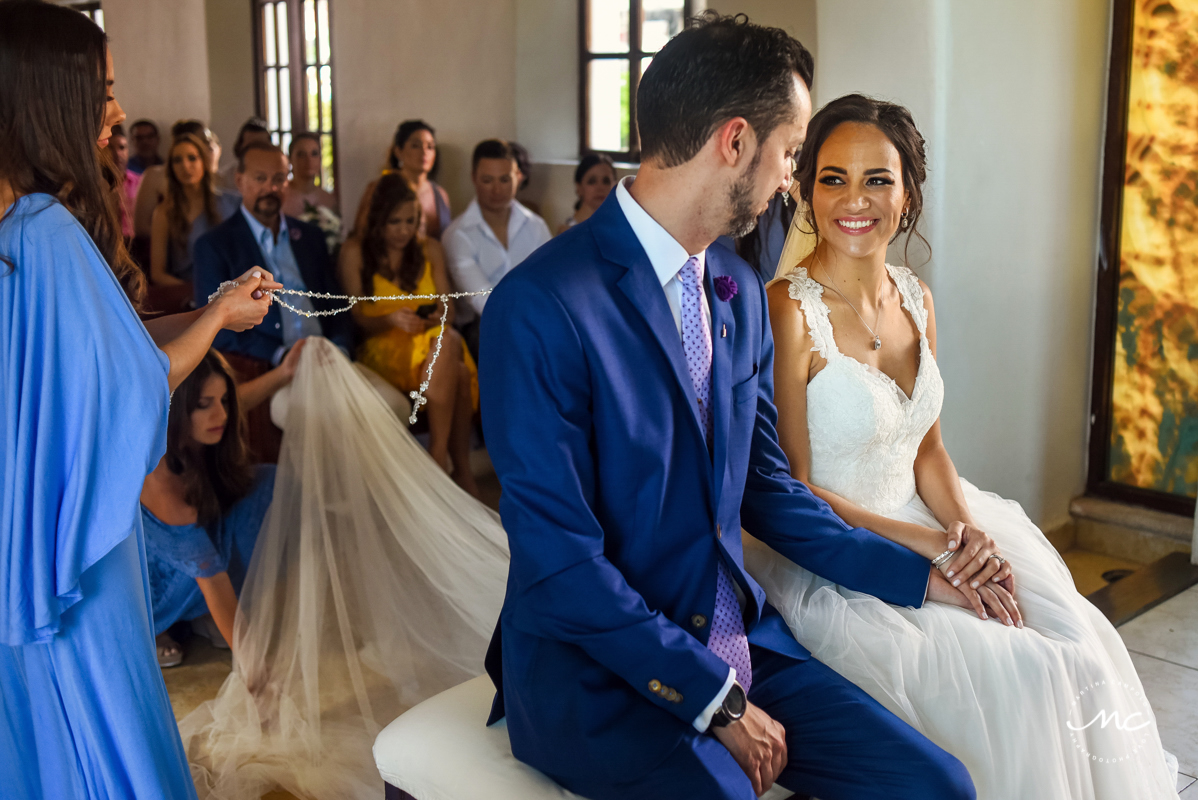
{"points": [[276, 326], [655, 686], [719, 532], [698, 620]]}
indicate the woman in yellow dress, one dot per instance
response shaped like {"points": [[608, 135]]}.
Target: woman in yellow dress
{"points": [[390, 257]]}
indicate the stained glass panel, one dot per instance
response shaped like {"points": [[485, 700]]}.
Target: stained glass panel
{"points": [[1154, 431]]}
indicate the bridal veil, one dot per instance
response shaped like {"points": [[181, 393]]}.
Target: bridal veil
{"points": [[376, 583]]}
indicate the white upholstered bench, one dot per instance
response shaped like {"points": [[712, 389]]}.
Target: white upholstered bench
{"points": [[441, 750]]}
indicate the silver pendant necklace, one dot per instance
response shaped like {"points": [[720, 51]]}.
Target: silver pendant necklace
{"points": [[877, 339]]}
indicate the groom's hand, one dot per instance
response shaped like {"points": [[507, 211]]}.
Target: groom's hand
{"points": [[758, 744]]}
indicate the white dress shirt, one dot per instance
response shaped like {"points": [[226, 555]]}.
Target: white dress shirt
{"points": [[668, 257], [477, 261]]}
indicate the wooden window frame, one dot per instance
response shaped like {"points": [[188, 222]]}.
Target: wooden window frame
{"points": [[634, 56], [297, 74], [1098, 483]]}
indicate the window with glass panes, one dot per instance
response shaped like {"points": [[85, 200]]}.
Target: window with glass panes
{"points": [[618, 39], [295, 75]]}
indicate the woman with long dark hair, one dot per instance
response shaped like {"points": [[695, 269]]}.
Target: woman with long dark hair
{"points": [[203, 504], [192, 206], [390, 257], [83, 710]]}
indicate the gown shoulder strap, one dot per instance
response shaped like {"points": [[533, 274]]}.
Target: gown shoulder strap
{"points": [[810, 295], [912, 294]]}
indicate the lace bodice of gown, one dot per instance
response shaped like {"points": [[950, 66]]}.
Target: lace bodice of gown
{"points": [[864, 431]]}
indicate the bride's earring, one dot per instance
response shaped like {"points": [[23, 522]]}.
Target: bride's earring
{"points": [[904, 222]]}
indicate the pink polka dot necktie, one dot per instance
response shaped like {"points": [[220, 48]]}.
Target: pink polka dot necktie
{"points": [[728, 639]]}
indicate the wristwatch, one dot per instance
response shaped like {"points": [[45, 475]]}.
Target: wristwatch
{"points": [[733, 707]]}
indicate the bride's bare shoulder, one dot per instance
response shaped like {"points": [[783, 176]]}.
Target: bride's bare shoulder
{"points": [[787, 320]]}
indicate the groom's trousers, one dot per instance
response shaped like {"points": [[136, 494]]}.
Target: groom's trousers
{"points": [[841, 743]]}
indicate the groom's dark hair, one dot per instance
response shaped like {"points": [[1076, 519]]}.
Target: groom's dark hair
{"points": [[717, 69]]}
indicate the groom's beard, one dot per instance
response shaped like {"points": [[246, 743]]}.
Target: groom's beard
{"points": [[740, 198]]}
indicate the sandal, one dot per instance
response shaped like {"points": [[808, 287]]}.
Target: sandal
{"points": [[170, 654]]}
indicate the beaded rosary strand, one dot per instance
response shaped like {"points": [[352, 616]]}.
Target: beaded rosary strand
{"points": [[417, 396]]}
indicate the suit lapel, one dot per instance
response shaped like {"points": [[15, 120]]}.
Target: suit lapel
{"points": [[640, 285], [722, 322]]}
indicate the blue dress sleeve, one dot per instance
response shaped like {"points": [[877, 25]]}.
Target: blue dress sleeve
{"points": [[85, 399]]}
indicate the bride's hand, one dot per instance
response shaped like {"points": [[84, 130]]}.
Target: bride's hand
{"points": [[977, 560], [1001, 604], [988, 602], [941, 591]]}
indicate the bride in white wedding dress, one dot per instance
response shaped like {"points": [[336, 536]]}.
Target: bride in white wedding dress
{"points": [[1045, 707], [376, 583]]}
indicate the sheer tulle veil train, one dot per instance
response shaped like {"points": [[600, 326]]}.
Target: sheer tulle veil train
{"points": [[376, 583]]}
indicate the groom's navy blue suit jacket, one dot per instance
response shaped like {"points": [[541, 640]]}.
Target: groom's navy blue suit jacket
{"points": [[617, 511]]}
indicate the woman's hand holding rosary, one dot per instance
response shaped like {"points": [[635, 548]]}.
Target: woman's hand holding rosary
{"points": [[243, 303]]}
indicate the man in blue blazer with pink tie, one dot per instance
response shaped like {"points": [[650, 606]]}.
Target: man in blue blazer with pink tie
{"points": [[626, 381]]}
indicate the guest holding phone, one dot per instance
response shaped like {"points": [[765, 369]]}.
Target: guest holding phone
{"points": [[390, 257]]}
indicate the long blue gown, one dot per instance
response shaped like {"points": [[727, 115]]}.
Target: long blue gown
{"points": [[83, 709]]}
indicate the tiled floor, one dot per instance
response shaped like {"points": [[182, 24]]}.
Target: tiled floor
{"points": [[1164, 647]]}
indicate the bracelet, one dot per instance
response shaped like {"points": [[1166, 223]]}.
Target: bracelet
{"points": [[942, 558]]}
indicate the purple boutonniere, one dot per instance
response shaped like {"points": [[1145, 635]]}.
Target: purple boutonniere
{"points": [[725, 287], [295, 234]]}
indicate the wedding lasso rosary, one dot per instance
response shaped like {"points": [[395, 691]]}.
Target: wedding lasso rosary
{"points": [[417, 396]]}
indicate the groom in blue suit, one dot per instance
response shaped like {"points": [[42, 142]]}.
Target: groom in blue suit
{"points": [[626, 382]]}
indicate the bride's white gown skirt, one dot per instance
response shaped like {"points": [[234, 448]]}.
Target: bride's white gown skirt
{"points": [[1005, 701]]}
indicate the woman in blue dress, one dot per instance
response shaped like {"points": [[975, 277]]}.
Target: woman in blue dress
{"points": [[204, 503], [83, 710]]}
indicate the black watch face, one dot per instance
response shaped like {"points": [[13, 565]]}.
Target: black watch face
{"points": [[735, 702]]}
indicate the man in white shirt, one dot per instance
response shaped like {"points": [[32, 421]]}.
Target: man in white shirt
{"points": [[494, 234]]}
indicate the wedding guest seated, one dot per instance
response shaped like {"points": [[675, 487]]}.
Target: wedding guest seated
{"points": [[292, 250], [127, 181], [192, 207], [594, 178], [145, 146], [524, 164], [203, 504], [253, 129], [493, 235], [303, 195], [153, 181], [414, 154], [390, 257]]}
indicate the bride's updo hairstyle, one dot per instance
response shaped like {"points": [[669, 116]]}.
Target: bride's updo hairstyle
{"points": [[892, 120]]}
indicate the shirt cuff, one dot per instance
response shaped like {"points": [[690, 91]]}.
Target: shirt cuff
{"points": [[703, 721]]}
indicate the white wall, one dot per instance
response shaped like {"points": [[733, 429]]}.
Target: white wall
{"points": [[451, 63], [1010, 98], [160, 54], [230, 70]]}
